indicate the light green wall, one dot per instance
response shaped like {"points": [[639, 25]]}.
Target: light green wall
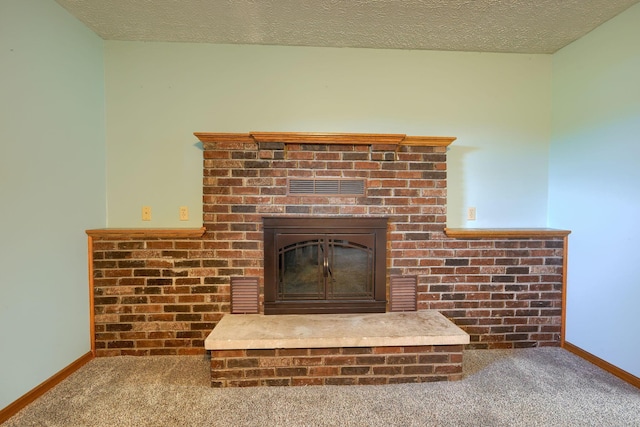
{"points": [[158, 94], [52, 188], [52, 158], [594, 186]]}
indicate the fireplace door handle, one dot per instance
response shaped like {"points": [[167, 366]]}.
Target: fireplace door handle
{"points": [[325, 266]]}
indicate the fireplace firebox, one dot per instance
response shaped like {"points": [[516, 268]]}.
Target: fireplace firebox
{"points": [[324, 265]]}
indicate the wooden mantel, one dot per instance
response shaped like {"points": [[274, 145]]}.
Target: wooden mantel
{"points": [[328, 138]]}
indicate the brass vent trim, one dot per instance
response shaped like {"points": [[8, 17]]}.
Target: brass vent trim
{"points": [[326, 187]]}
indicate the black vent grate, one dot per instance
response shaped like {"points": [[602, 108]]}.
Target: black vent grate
{"points": [[312, 187]]}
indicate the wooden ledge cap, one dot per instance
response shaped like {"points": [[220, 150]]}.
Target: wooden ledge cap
{"points": [[149, 233], [507, 233], [328, 138]]}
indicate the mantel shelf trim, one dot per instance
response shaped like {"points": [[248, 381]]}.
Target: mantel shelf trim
{"points": [[327, 138]]}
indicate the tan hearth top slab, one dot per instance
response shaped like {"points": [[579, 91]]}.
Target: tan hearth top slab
{"points": [[256, 331]]}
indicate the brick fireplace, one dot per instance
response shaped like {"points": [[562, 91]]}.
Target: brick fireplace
{"points": [[162, 291], [247, 178]]}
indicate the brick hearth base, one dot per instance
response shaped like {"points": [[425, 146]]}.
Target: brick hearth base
{"points": [[335, 349], [335, 366]]}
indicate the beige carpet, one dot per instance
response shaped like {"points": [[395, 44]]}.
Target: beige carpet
{"points": [[531, 387]]}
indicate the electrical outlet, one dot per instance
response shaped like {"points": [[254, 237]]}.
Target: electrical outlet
{"points": [[184, 213], [146, 213], [471, 213]]}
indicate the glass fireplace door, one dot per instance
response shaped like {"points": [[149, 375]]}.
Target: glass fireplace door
{"points": [[325, 267], [350, 269]]}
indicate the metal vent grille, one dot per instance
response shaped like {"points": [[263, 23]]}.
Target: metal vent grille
{"points": [[351, 187], [244, 295], [403, 292]]}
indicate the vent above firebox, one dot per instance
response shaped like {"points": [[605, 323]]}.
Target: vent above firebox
{"points": [[302, 187]]}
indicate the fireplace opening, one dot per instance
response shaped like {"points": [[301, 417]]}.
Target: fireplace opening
{"points": [[324, 265]]}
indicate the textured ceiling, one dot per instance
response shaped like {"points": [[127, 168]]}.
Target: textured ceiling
{"points": [[524, 26]]}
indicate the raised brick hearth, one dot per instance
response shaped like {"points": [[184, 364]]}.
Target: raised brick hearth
{"points": [[338, 349], [162, 293], [336, 366]]}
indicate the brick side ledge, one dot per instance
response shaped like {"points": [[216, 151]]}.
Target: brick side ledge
{"points": [[507, 233], [161, 233]]}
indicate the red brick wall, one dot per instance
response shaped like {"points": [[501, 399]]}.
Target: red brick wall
{"points": [[503, 293], [336, 366], [164, 296], [154, 297]]}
